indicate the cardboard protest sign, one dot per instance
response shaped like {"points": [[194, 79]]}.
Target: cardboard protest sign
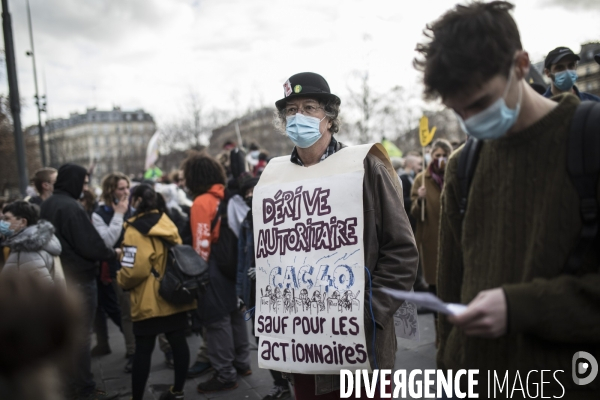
{"points": [[425, 135], [310, 278]]}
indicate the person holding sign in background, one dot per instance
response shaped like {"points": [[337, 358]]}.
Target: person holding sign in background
{"points": [[425, 195], [425, 209], [309, 115]]}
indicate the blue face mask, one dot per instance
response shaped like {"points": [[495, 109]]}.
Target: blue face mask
{"points": [[565, 80], [494, 121], [5, 229], [302, 130]]}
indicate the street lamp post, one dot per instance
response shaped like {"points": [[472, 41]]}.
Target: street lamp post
{"points": [[40, 107], [13, 89]]}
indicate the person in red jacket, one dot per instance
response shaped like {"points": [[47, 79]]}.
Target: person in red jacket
{"points": [[226, 334]]}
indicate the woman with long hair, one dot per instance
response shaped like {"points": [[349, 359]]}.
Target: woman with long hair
{"points": [[113, 302], [145, 245]]}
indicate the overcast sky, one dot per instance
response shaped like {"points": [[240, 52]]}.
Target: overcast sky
{"points": [[237, 53]]}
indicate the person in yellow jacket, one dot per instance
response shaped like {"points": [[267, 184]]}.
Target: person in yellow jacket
{"points": [[143, 264]]}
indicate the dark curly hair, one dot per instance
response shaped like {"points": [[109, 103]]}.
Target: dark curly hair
{"points": [[201, 172], [468, 45], [150, 200], [23, 209]]}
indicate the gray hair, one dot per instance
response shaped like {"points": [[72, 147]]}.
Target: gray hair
{"points": [[330, 106]]}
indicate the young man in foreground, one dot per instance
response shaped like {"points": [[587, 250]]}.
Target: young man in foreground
{"points": [[505, 256]]}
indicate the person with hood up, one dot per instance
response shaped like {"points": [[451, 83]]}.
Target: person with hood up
{"points": [[143, 264], [32, 243], [82, 248]]}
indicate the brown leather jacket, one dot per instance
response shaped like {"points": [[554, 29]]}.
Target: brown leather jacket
{"points": [[391, 257]]}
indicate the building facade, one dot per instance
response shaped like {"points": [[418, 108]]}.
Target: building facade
{"points": [[254, 127], [107, 140], [588, 70]]}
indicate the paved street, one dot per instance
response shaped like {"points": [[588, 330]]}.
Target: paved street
{"points": [[108, 370]]}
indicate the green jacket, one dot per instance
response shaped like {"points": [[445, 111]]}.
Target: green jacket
{"points": [[521, 223]]}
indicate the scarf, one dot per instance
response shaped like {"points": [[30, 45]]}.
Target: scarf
{"points": [[437, 173]]}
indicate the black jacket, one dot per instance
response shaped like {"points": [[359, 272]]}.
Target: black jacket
{"points": [[81, 245]]}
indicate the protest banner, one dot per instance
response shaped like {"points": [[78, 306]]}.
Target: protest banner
{"points": [[310, 277]]}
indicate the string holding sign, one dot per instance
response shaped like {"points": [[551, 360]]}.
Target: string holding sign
{"points": [[425, 136]]}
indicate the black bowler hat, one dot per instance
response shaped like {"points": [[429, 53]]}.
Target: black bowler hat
{"points": [[597, 58], [558, 54], [305, 84]]}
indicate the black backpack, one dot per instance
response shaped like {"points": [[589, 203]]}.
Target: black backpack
{"points": [[583, 165], [225, 250], [186, 274]]}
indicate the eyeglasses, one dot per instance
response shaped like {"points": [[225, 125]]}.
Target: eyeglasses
{"points": [[306, 110]]}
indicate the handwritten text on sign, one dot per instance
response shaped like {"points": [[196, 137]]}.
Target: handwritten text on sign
{"points": [[310, 274], [303, 236]]}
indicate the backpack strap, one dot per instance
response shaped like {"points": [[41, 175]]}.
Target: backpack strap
{"points": [[583, 165], [466, 169], [220, 212]]}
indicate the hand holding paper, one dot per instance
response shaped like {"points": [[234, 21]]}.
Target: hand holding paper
{"points": [[485, 316]]}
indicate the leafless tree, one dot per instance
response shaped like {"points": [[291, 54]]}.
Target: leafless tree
{"points": [[193, 130], [9, 178], [370, 115]]}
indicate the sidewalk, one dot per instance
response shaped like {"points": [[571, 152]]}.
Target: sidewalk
{"points": [[109, 374]]}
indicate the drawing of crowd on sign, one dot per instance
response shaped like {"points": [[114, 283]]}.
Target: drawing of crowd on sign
{"points": [[310, 274], [289, 301]]}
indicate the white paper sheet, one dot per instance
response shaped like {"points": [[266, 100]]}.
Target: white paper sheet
{"points": [[428, 300]]}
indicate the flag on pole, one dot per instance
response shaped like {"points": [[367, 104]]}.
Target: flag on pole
{"points": [[391, 148], [152, 151]]}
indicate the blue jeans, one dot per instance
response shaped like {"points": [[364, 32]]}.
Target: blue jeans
{"points": [[81, 382]]}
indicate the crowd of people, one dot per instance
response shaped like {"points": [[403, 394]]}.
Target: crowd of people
{"points": [[111, 250], [496, 224]]}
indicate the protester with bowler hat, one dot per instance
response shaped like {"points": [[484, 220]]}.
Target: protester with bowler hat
{"points": [[308, 114]]}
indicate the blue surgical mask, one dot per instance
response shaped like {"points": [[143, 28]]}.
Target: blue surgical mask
{"points": [[494, 121], [565, 80], [5, 229], [303, 130]]}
